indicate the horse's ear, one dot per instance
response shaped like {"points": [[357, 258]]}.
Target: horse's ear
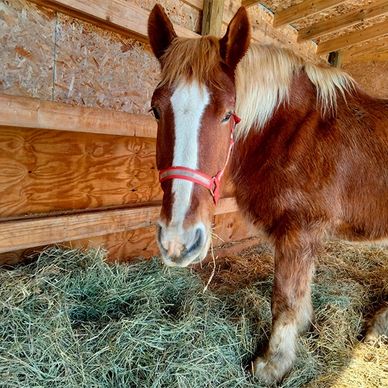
{"points": [[160, 31], [235, 42]]}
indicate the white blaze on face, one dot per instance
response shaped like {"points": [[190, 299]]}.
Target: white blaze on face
{"points": [[188, 101]]}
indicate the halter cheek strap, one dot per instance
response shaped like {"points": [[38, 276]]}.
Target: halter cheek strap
{"points": [[212, 183]]}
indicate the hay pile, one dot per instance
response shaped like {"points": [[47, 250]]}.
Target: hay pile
{"points": [[71, 320]]}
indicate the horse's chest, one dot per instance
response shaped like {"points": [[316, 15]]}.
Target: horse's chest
{"points": [[259, 183]]}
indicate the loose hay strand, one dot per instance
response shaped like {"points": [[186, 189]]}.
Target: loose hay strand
{"points": [[214, 268]]}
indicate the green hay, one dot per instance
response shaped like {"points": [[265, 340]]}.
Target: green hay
{"points": [[71, 320]]}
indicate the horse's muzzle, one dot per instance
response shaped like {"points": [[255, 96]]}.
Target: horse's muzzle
{"points": [[181, 247]]}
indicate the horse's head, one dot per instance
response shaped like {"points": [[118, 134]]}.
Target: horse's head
{"points": [[194, 104]]}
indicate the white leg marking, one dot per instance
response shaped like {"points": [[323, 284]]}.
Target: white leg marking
{"points": [[280, 355]]}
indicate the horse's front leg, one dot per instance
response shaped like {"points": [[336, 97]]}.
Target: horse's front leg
{"points": [[291, 306]]}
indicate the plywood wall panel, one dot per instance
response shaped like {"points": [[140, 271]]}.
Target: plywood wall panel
{"points": [[232, 227], [27, 47], [374, 81], [95, 67], [180, 12], [43, 171], [263, 32], [126, 246], [123, 246]]}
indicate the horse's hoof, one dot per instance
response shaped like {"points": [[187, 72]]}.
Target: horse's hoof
{"points": [[268, 370]]}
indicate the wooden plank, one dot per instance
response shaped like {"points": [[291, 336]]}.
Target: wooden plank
{"points": [[23, 234], [232, 227], [122, 246], [249, 3], [42, 171], [377, 8], [198, 4], [119, 14], [212, 17], [26, 112], [373, 51], [302, 10], [352, 38], [26, 233]]}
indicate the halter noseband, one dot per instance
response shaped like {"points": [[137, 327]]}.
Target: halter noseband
{"points": [[212, 183]]}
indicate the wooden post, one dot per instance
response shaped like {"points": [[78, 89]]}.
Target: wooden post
{"points": [[212, 17]]}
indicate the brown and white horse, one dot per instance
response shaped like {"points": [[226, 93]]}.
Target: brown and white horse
{"points": [[310, 159]]}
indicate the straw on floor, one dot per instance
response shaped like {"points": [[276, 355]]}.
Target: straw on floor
{"points": [[71, 320]]}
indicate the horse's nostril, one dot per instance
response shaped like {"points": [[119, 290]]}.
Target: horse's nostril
{"points": [[159, 236], [199, 239]]}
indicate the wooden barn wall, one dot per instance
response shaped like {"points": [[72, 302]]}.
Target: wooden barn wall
{"points": [[263, 32], [44, 171], [55, 57], [371, 75]]}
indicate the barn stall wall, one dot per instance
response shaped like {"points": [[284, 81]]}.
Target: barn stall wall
{"points": [[85, 146], [48, 172]]}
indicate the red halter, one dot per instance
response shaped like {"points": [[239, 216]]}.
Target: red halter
{"points": [[212, 183]]}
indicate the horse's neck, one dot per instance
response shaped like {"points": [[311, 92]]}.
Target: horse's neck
{"points": [[302, 102], [301, 123]]}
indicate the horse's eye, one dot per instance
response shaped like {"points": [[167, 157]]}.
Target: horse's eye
{"points": [[156, 112], [227, 117]]}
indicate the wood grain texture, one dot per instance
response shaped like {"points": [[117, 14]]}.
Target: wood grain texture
{"points": [[375, 80], [367, 52], [198, 4], [301, 10], [232, 227], [38, 231], [43, 171], [377, 8], [26, 112], [120, 14], [123, 246], [21, 234], [185, 13], [249, 3], [213, 11], [352, 38]]}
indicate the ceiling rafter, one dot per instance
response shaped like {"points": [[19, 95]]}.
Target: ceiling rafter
{"points": [[249, 3], [352, 38], [377, 8], [302, 10]]}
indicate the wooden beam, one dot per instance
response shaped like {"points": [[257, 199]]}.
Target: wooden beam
{"points": [[377, 8], [213, 11], [121, 15], [198, 4], [23, 234], [302, 10], [373, 51], [27, 233], [26, 112], [249, 3], [352, 38]]}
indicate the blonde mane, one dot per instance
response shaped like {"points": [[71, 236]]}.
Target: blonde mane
{"points": [[263, 80], [263, 77]]}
